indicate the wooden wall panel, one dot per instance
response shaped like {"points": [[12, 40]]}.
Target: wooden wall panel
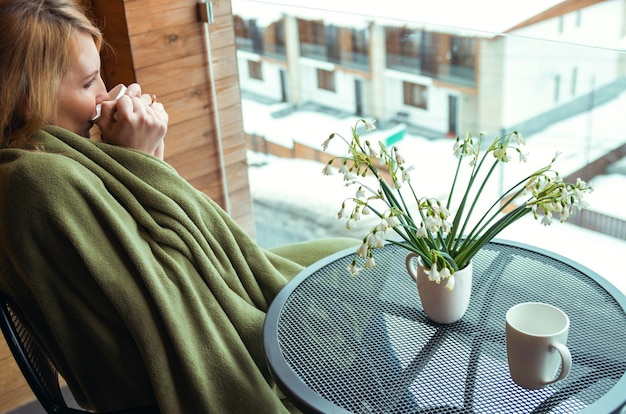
{"points": [[14, 391], [152, 15], [197, 164], [188, 137]]}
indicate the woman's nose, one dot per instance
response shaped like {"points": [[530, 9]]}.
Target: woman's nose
{"points": [[102, 95]]}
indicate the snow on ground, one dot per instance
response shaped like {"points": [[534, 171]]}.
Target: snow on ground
{"points": [[294, 201]]}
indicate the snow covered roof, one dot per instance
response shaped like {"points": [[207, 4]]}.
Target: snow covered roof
{"points": [[480, 17]]}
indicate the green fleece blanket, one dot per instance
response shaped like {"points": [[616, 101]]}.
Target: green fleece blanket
{"points": [[141, 288]]}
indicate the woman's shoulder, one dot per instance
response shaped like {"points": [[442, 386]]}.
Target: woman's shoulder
{"points": [[36, 180], [35, 166]]}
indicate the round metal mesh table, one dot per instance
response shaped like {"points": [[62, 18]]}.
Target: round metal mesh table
{"points": [[364, 345]]}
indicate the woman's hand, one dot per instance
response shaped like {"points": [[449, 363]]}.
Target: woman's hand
{"points": [[135, 121]]}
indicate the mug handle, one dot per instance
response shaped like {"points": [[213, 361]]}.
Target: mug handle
{"points": [[409, 266], [566, 361]]}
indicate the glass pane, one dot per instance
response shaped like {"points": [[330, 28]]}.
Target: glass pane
{"points": [[556, 77]]}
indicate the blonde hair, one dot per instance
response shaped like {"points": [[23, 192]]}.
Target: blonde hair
{"points": [[36, 51]]}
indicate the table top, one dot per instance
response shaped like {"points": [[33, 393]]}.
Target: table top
{"points": [[337, 343]]}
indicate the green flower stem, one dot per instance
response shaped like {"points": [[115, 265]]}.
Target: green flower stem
{"points": [[456, 175], [477, 228], [454, 234], [464, 255], [473, 205]]}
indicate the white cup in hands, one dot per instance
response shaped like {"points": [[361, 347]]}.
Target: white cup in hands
{"points": [[114, 94], [135, 120], [536, 334]]}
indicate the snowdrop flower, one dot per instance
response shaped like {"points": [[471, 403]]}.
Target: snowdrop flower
{"points": [[370, 150], [392, 221], [547, 219], [464, 147], [518, 138], [328, 170], [444, 213], [360, 193], [342, 213], [406, 173], [349, 176], [446, 226], [433, 224], [350, 223], [457, 148], [450, 284], [582, 204], [369, 263], [501, 154], [522, 157], [369, 126], [397, 184], [375, 240], [445, 273], [433, 274], [326, 142], [353, 269], [363, 250], [399, 158], [421, 232], [382, 226]]}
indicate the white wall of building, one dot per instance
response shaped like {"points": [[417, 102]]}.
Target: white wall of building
{"points": [[269, 87], [343, 98], [533, 68], [434, 117]]}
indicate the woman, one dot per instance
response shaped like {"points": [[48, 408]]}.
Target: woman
{"points": [[142, 290]]}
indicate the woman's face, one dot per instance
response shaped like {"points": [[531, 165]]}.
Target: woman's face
{"points": [[81, 89]]}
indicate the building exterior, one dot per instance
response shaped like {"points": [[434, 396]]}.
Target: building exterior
{"points": [[438, 78]]}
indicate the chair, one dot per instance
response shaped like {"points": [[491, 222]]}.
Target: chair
{"points": [[40, 373]]}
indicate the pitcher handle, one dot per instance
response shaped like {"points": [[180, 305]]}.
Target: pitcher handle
{"points": [[409, 266]]}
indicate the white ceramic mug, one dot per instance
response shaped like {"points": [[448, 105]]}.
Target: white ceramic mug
{"points": [[114, 94], [536, 334]]}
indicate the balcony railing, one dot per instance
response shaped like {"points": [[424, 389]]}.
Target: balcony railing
{"points": [[445, 72]]}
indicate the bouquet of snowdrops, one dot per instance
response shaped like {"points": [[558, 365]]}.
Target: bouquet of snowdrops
{"points": [[445, 242]]}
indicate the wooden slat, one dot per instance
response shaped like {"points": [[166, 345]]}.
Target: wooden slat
{"points": [[194, 164], [208, 185], [221, 32], [189, 104], [172, 76], [14, 391], [239, 177], [224, 66], [168, 44], [186, 136], [153, 15]]}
